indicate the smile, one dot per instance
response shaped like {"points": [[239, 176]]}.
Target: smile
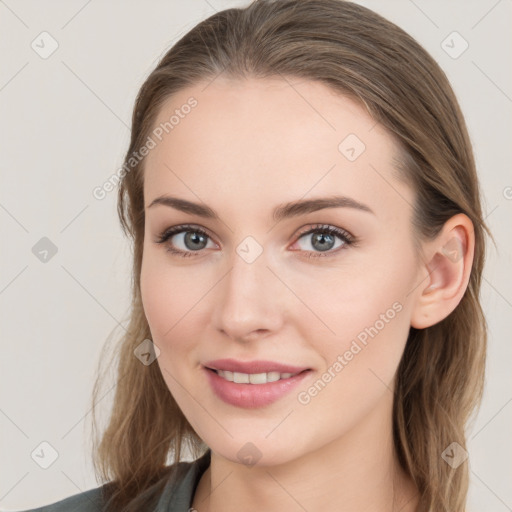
{"points": [[253, 378], [252, 390]]}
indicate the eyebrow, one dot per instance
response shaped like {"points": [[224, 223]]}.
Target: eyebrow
{"points": [[283, 211]]}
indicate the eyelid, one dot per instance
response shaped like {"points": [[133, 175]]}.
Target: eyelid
{"points": [[180, 228], [328, 227], [347, 238]]}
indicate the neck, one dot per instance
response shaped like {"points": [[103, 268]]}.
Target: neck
{"points": [[357, 471]]}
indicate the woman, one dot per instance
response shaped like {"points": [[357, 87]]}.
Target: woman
{"points": [[308, 247]]}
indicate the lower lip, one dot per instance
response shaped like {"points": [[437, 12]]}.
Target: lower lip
{"points": [[251, 396]]}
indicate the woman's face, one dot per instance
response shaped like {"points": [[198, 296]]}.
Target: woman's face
{"points": [[255, 286]]}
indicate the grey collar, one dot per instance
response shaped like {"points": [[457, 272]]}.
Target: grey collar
{"points": [[178, 493]]}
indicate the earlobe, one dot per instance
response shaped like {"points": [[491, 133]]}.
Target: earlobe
{"points": [[448, 267]]}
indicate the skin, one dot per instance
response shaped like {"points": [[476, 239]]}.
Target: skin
{"points": [[247, 147]]}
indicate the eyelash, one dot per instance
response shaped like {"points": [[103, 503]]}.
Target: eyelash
{"points": [[345, 236]]}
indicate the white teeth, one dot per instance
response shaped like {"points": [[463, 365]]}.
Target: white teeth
{"points": [[253, 378], [258, 378], [241, 378], [273, 376]]}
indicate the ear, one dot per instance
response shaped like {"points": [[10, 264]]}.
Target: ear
{"points": [[446, 270]]}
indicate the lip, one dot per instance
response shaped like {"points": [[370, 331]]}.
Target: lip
{"points": [[257, 366], [252, 396]]}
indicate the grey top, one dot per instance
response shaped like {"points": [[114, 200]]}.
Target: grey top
{"points": [[176, 496]]}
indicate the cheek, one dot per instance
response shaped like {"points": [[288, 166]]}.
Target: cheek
{"points": [[368, 314], [167, 293], [174, 299], [156, 295], [165, 303], [360, 361]]}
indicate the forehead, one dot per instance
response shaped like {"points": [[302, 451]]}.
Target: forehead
{"points": [[277, 137]]}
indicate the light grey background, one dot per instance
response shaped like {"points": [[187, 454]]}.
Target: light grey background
{"points": [[64, 130]]}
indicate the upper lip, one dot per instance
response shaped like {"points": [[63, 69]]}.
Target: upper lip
{"points": [[257, 366]]}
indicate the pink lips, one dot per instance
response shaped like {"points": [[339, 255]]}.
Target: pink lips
{"points": [[251, 396]]}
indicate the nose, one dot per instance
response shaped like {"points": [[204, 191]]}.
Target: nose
{"points": [[250, 300]]}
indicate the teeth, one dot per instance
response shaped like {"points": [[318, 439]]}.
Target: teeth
{"points": [[253, 378], [241, 378]]}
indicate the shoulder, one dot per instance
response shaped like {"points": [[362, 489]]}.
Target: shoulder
{"points": [[174, 491], [93, 500], [88, 501], [182, 483]]}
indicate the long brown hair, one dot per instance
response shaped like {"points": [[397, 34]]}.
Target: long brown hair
{"points": [[358, 53]]}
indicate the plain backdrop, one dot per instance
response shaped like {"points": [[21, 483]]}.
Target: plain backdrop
{"points": [[65, 121]]}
